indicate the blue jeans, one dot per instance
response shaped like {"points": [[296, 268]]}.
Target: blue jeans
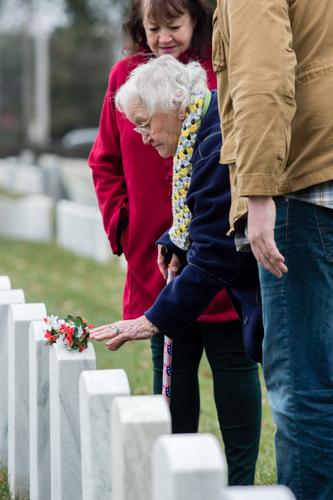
{"points": [[298, 348]]}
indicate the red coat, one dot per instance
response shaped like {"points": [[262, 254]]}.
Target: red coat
{"points": [[133, 186]]}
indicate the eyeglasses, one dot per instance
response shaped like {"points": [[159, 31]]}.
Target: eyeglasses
{"points": [[144, 128]]}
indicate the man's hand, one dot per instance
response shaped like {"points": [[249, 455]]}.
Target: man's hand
{"points": [[166, 260], [261, 223]]}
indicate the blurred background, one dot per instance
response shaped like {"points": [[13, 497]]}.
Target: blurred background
{"points": [[54, 61]]}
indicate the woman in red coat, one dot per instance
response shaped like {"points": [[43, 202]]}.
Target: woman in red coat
{"points": [[133, 185]]}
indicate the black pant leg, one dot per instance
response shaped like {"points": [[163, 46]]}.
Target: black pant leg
{"points": [[237, 397], [185, 396]]}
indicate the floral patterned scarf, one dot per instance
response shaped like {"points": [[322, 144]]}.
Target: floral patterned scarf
{"points": [[182, 170]]}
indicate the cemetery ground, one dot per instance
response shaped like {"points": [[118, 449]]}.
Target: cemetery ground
{"points": [[71, 285]]}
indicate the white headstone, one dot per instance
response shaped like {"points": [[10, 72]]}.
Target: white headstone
{"points": [[65, 370], [19, 317], [6, 297], [188, 466], [50, 165], [26, 178], [101, 250], [27, 218], [135, 424], [123, 262], [97, 391], [78, 181], [257, 493], [40, 471], [5, 283], [80, 230]]}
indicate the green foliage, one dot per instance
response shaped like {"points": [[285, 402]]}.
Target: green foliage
{"points": [[92, 11], [72, 285], [80, 11], [80, 59], [11, 57], [80, 62], [5, 493]]}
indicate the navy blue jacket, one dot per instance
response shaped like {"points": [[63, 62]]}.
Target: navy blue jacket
{"points": [[212, 262]]}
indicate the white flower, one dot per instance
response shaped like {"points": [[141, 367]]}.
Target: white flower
{"points": [[53, 321], [60, 341], [79, 331]]}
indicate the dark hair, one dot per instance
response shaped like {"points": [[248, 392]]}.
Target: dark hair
{"points": [[159, 10]]}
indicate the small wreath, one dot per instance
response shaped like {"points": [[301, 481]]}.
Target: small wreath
{"points": [[71, 332]]}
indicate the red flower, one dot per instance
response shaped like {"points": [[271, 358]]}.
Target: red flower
{"points": [[50, 337], [69, 330], [69, 339]]}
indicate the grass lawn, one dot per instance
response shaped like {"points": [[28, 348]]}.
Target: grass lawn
{"points": [[72, 285]]}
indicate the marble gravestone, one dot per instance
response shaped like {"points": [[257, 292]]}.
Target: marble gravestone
{"points": [[7, 297], [28, 218], [5, 283], [257, 493], [97, 390], [101, 249], [24, 178], [135, 424], [123, 262], [188, 466], [19, 317], [80, 230], [52, 179], [65, 370], [40, 471]]}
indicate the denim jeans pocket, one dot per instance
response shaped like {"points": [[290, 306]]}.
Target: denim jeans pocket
{"points": [[324, 220]]}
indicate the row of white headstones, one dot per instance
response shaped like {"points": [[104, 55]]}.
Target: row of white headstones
{"points": [[71, 432]]}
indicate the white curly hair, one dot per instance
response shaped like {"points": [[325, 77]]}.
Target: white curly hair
{"points": [[162, 84]]}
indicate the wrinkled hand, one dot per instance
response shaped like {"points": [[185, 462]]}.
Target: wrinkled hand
{"points": [[167, 260], [261, 223], [122, 331]]}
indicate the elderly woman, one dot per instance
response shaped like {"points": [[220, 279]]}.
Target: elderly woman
{"points": [[183, 29], [173, 110]]}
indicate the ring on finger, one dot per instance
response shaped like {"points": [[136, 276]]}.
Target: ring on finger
{"points": [[115, 329]]}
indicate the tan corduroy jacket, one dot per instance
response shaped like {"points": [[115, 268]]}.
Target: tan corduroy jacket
{"points": [[274, 62]]}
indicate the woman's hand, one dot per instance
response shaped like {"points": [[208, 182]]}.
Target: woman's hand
{"points": [[167, 260], [122, 331]]}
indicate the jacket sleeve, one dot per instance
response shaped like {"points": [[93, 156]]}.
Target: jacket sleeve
{"points": [[206, 63], [172, 248], [183, 300], [106, 163], [261, 71], [213, 262]]}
